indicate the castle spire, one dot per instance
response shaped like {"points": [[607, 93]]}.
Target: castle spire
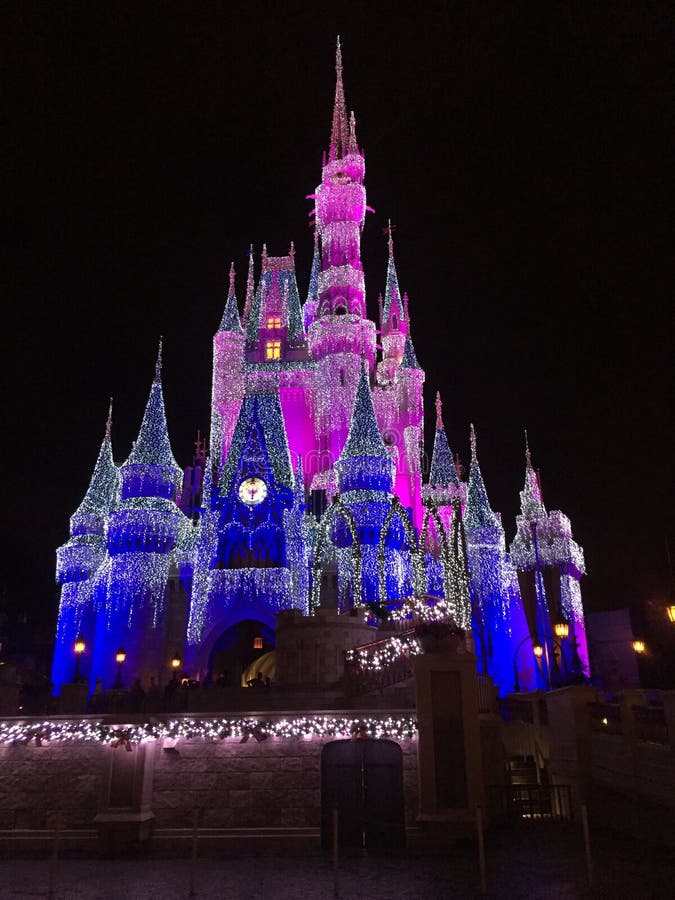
{"points": [[339, 134], [353, 146], [409, 358], [313, 289], [250, 287], [531, 501], [108, 424], [443, 471], [102, 491], [230, 320], [479, 513], [364, 436], [152, 446], [158, 363], [392, 292]]}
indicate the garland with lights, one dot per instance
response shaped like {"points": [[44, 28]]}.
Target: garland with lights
{"points": [[397, 727]]}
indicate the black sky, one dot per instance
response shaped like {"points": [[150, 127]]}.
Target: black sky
{"points": [[522, 150]]}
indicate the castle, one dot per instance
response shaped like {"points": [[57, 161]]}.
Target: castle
{"points": [[312, 494]]}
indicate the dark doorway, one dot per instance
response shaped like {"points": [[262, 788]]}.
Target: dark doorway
{"points": [[365, 779], [236, 649]]}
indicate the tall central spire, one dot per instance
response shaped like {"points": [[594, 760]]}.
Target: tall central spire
{"points": [[339, 133]]}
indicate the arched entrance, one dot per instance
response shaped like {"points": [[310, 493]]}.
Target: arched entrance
{"points": [[364, 777], [236, 649]]}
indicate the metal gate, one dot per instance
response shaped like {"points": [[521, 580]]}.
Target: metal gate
{"points": [[364, 779]]}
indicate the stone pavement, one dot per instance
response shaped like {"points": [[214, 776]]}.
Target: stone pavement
{"points": [[526, 861]]}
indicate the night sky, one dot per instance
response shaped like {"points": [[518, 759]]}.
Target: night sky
{"points": [[521, 150]]}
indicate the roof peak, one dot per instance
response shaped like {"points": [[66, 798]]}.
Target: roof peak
{"points": [[339, 134]]}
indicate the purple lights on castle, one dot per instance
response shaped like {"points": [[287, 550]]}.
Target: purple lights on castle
{"points": [[312, 492]]}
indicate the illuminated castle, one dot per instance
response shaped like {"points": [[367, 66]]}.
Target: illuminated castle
{"points": [[312, 494]]}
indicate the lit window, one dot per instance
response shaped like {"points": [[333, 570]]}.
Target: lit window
{"points": [[257, 643], [273, 350], [274, 322]]}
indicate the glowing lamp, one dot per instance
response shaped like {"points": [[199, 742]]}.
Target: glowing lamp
{"points": [[538, 650], [639, 646], [257, 643], [176, 661], [561, 629], [120, 656], [80, 645], [670, 610]]}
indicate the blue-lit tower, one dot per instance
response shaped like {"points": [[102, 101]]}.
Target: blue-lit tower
{"points": [[77, 562], [142, 531]]}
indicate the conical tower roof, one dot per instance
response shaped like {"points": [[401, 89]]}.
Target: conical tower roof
{"points": [[230, 320], [531, 502], [478, 510], [392, 292], [339, 133], [443, 471], [409, 359], [364, 437], [313, 289], [104, 484], [152, 446]]}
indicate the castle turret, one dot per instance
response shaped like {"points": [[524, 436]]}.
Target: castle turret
{"points": [[340, 334], [550, 566], [394, 326], [141, 533], [78, 560], [496, 613], [228, 377]]}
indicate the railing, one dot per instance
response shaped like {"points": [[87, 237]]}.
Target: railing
{"points": [[650, 724], [374, 666], [548, 802], [606, 718]]}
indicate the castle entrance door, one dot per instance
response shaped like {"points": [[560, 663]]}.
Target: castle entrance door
{"points": [[364, 778]]}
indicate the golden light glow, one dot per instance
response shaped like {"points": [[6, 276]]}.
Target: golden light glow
{"points": [[561, 629], [175, 662], [538, 650], [605, 720], [257, 643], [274, 322], [639, 646], [273, 350], [80, 645], [670, 610], [121, 655]]}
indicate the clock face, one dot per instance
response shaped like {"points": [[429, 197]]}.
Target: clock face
{"points": [[252, 491]]}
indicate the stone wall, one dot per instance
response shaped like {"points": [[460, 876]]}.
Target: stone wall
{"points": [[272, 784], [37, 783]]}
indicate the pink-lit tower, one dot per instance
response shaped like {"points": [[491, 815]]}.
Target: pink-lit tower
{"points": [[228, 376], [398, 395], [340, 335]]}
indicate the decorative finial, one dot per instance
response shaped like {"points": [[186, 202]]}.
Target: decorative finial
{"points": [[231, 293], [390, 232], [473, 444], [528, 456], [291, 251], [439, 411], [338, 57], [158, 364], [108, 424], [353, 147]]}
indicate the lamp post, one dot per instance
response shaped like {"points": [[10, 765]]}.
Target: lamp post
{"points": [[79, 647], [120, 656]]}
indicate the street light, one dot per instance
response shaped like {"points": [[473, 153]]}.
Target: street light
{"points": [[79, 648], [561, 629], [120, 656], [639, 646], [176, 662], [538, 650], [670, 610]]}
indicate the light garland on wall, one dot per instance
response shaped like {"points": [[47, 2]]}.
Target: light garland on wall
{"points": [[93, 731]]}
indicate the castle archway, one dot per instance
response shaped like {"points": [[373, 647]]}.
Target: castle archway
{"points": [[237, 649]]}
